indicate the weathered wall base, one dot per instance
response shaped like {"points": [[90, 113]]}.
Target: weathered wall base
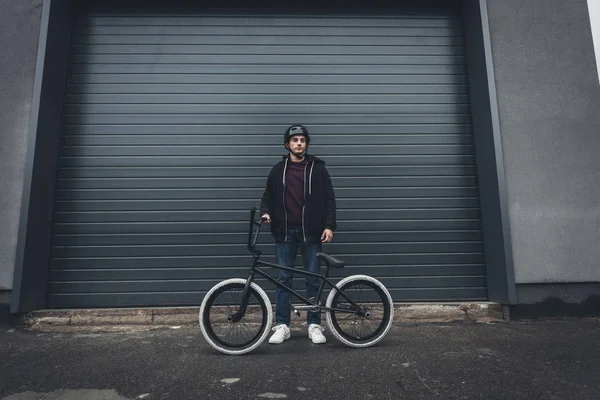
{"points": [[557, 300]]}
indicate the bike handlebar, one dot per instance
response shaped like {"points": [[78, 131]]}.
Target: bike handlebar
{"points": [[252, 240]]}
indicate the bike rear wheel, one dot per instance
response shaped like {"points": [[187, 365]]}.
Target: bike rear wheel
{"points": [[218, 328], [367, 324]]}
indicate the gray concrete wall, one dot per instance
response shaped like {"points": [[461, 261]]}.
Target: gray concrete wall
{"points": [[549, 106], [19, 35]]}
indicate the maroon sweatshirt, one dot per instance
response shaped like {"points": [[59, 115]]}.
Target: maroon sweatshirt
{"points": [[294, 193]]}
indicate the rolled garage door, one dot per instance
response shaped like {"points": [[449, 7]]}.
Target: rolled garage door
{"points": [[173, 120]]}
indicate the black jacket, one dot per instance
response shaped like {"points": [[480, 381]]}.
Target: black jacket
{"points": [[319, 200]]}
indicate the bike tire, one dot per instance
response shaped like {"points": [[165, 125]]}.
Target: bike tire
{"points": [[379, 295], [209, 308]]}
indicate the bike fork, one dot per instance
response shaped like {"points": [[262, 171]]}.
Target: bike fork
{"points": [[239, 314]]}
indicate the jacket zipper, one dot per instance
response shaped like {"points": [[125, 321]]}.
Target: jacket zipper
{"points": [[304, 206], [284, 209], [310, 179]]}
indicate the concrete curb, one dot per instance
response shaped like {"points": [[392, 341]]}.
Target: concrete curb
{"points": [[125, 320], [451, 312]]}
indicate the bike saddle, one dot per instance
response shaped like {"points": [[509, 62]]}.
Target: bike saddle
{"points": [[331, 261]]}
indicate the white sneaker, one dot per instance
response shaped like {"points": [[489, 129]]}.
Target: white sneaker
{"points": [[315, 333], [282, 332]]}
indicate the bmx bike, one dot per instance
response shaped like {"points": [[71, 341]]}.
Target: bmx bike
{"points": [[236, 314]]}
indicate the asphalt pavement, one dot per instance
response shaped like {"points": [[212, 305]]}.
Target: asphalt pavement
{"points": [[514, 360]]}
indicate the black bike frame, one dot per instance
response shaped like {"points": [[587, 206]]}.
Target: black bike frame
{"points": [[257, 264], [323, 278]]}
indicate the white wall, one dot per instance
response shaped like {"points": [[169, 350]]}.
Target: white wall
{"points": [[594, 7]]}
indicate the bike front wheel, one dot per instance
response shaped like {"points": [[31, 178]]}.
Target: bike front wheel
{"points": [[365, 322], [221, 303]]}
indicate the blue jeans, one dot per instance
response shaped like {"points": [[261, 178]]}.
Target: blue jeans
{"points": [[286, 256]]}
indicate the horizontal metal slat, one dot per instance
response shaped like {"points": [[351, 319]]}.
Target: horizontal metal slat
{"points": [[205, 285], [256, 193], [261, 161], [185, 102], [238, 226], [217, 183], [90, 91], [228, 273], [236, 250], [230, 215], [324, 141], [264, 134], [347, 49], [381, 20], [246, 261], [237, 204], [247, 30], [164, 119], [262, 172], [265, 240], [401, 76], [244, 59], [269, 68], [411, 10], [272, 151], [311, 106], [298, 40]]}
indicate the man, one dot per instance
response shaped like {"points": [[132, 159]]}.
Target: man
{"points": [[299, 203]]}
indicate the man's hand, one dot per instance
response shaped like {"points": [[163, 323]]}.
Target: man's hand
{"points": [[266, 218], [327, 236]]}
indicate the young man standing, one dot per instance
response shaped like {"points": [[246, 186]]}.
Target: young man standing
{"points": [[299, 203]]}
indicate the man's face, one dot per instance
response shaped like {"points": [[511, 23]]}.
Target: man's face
{"points": [[297, 144]]}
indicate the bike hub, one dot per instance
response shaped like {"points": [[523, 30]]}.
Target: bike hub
{"points": [[363, 312], [234, 317]]}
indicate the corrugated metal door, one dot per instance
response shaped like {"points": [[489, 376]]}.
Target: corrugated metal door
{"points": [[172, 122]]}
